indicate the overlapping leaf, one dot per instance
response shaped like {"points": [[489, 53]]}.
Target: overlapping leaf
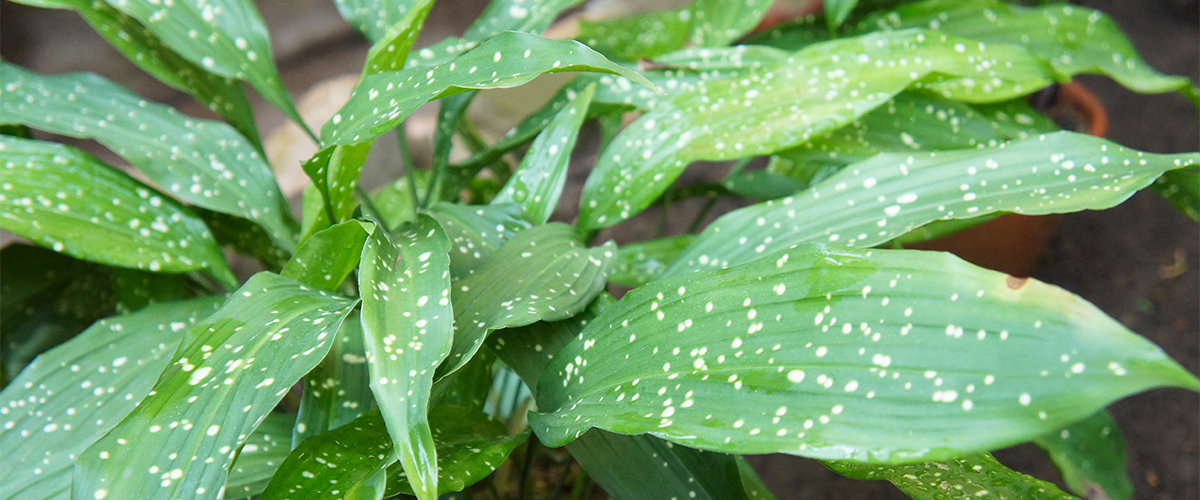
{"points": [[258, 459], [68, 200], [337, 390], [976, 476], [334, 173], [890, 194], [243, 358], [390, 49], [373, 18], [1182, 188], [877, 356], [407, 325], [1090, 454], [638, 263], [202, 162], [72, 395], [326, 258], [836, 12], [476, 233], [719, 22]]}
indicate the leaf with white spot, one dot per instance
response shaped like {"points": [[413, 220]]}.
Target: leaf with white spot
{"points": [[73, 394], [516, 15], [640, 262], [1070, 38], [222, 95], [538, 182], [337, 390], [976, 476], [449, 181], [389, 51], [65, 199], [225, 37], [374, 18], [836, 12], [1090, 454], [476, 232], [326, 258], [381, 101], [1182, 188], [543, 273], [202, 162], [242, 359], [258, 459], [803, 351], [720, 22], [873, 201], [407, 324], [790, 102], [334, 173], [639, 35]]}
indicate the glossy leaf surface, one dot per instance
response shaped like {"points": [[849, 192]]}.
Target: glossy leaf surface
{"points": [[407, 325], [877, 356], [976, 476], [326, 258], [73, 394], [258, 459], [67, 200], [243, 358], [890, 194], [720, 22], [202, 162], [1090, 454]]}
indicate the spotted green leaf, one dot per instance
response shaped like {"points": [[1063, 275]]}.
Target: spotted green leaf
{"points": [[1090, 454], [640, 262], [808, 94], [337, 390], [95, 379], [395, 200], [802, 351], [476, 232], [65, 199], [1182, 188], [334, 172], [448, 181], [256, 462], [1072, 39], [975, 476], [890, 194], [538, 182], [516, 15], [224, 37], [407, 324], [543, 273], [836, 12], [374, 18], [641, 35], [326, 258], [202, 162], [243, 358], [381, 101], [142, 48], [390, 50], [719, 22]]}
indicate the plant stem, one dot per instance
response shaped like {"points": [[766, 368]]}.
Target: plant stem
{"points": [[708, 205], [581, 482], [527, 468]]}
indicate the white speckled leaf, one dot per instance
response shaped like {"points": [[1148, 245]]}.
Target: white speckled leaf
{"points": [[96, 379], [65, 199], [230, 371], [720, 22], [543, 273], [202, 162], [538, 182], [804, 351], [389, 51], [326, 258], [258, 459], [814, 91], [871, 202], [407, 325], [531, 16], [640, 35], [222, 95], [337, 390], [640, 262], [476, 232], [976, 476], [374, 18], [1090, 454], [224, 37]]}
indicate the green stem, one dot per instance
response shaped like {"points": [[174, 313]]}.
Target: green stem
{"points": [[581, 484], [708, 205], [369, 207], [530, 450]]}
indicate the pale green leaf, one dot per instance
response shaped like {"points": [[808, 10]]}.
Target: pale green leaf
{"points": [[788, 103], [389, 51], [374, 18], [407, 325], [976, 476], [538, 182], [65, 199], [326, 258], [884, 356], [73, 394], [640, 262], [256, 462], [1090, 454], [890, 194], [243, 359], [641, 35], [337, 390], [202, 162], [720, 22], [395, 200]]}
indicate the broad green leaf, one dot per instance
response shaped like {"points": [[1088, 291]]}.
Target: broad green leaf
{"points": [[256, 462], [890, 194], [1090, 454], [395, 200], [142, 48], [538, 182], [836, 12], [976, 476], [640, 262], [720, 22], [810, 93], [1072, 39], [225, 37], [472, 385], [883, 356], [133, 290], [374, 18], [337, 390], [407, 325], [73, 394], [389, 51], [1182, 188], [334, 172], [326, 258], [543, 273], [476, 232], [448, 182], [372, 488], [641, 35], [243, 358], [65, 199], [381, 101], [762, 185], [202, 162], [516, 15]]}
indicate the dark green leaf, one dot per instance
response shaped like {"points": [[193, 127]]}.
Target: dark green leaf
{"points": [[638, 263], [245, 237], [390, 50], [65, 199], [977, 476], [337, 390], [448, 182], [516, 15], [326, 258], [134, 289], [243, 358], [407, 325], [73, 394], [1182, 188], [202, 162], [395, 201], [836, 12], [882, 356], [1090, 454], [256, 462]]}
